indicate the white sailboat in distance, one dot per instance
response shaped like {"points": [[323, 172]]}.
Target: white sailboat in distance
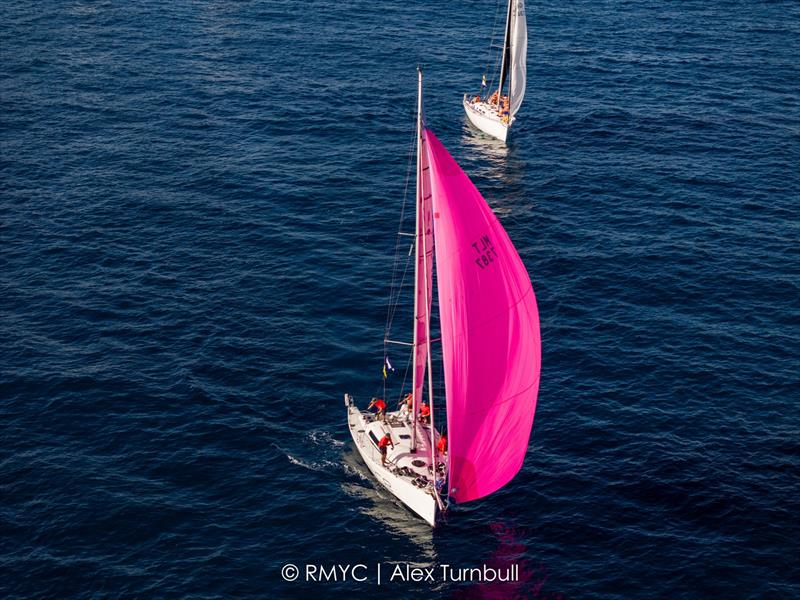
{"points": [[494, 112], [490, 348]]}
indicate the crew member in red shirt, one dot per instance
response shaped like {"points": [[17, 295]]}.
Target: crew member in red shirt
{"points": [[386, 440], [441, 445], [380, 407], [425, 412]]}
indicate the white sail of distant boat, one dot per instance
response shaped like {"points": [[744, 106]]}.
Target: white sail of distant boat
{"points": [[495, 113], [490, 350]]}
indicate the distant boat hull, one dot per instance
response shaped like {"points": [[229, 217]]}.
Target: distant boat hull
{"points": [[419, 499], [485, 117]]}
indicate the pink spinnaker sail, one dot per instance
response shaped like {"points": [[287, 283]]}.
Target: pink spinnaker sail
{"points": [[490, 334]]}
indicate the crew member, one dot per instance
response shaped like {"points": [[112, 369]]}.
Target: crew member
{"points": [[441, 445], [425, 413], [405, 405], [380, 408], [386, 440]]}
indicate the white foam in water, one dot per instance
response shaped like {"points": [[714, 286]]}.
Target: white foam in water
{"points": [[324, 466], [324, 438]]}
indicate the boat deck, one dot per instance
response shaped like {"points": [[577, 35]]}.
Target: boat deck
{"points": [[486, 110], [416, 467]]}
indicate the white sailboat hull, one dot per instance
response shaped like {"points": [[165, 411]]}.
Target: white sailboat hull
{"points": [[484, 116], [420, 500]]}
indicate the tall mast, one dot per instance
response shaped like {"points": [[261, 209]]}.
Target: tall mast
{"points": [[426, 299], [506, 54], [414, 407]]}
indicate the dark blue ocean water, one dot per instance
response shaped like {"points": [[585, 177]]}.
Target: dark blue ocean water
{"points": [[198, 210]]}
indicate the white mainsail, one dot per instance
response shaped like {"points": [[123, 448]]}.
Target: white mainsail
{"points": [[519, 51]]}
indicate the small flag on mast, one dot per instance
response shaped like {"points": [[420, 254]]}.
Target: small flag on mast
{"points": [[387, 366]]}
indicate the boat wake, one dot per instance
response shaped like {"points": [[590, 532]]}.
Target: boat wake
{"points": [[324, 438], [321, 466], [328, 456]]}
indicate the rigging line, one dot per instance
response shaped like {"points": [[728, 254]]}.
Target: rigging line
{"points": [[497, 12], [395, 298], [495, 70], [405, 197], [491, 84], [400, 228], [396, 303], [389, 309], [405, 376], [409, 169], [396, 306]]}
